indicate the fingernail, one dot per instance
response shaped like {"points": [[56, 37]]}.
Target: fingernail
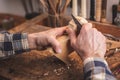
{"points": [[59, 51]]}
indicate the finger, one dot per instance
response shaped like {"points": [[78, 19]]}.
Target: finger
{"points": [[60, 31], [72, 35], [55, 44], [85, 28]]}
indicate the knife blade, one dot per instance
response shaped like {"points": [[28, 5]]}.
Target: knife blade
{"points": [[79, 26]]}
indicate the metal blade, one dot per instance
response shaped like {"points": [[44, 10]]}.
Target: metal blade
{"points": [[79, 26]]}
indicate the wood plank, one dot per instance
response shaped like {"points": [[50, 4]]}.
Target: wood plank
{"points": [[28, 24], [107, 28]]}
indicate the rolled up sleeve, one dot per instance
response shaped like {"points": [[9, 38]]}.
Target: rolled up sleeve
{"points": [[11, 44]]}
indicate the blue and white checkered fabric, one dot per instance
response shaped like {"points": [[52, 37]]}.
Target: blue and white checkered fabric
{"points": [[11, 44], [97, 69]]}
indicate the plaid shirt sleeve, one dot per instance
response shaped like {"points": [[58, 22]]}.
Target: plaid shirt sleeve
{"points": [[97, 69], [11, 44]]}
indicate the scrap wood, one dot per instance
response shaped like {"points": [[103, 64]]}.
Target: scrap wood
{"points": [[113, 45]]}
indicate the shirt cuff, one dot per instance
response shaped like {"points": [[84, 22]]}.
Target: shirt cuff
{"points": [[20, 43], [91, 63], [97, 69], [11, 44], [91, 59]]}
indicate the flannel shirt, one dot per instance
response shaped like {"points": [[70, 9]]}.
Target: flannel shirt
{"points": [[11, 44], [97, 69]]}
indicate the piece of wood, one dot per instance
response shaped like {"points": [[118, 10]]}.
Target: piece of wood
{"points": [[29, 23], [103, 12], [83, 8], [112, 44], [98, 10], [74, 7], [66, 49], [107, 28]]}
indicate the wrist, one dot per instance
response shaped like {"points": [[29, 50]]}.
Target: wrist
{"points": [[32, 41], [90, 59]]}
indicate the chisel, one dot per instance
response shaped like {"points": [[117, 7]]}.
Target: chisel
{"points": [[114, 13], [98, 10], [104, 7], [92, 10]]}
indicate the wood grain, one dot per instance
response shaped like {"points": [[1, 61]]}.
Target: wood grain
{"points": [[98, 10]]}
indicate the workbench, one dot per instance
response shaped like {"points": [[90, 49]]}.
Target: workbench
{"points": [[41, 65]]}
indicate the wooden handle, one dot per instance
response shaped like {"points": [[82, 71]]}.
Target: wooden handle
{"points": [[74, 8], [114, 13], [104, 6], [25, 6], [98, 10], [92, 10], [83, 8]]}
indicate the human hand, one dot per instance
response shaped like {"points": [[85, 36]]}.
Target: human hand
{"points": [[89, 43], [46, 38]]}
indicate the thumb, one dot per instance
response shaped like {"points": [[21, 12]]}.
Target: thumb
{"points": [[72, 35], [55, 44]]}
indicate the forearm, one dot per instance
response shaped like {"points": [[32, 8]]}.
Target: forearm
{"points": [[11, 44], [97, 69]]}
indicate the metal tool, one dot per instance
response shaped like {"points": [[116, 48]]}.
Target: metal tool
{"points": [[79, 26], [103, 12], [29, 15]]}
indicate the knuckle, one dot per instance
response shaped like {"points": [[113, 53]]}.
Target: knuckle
{"points": [[95, 29]]}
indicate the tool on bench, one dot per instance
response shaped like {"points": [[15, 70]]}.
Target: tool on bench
{"points": [[29, 15], [92, 10], [33, 12], [103, 11]]}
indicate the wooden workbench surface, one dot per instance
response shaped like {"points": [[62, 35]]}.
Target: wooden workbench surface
{"points": [[41, 65]]}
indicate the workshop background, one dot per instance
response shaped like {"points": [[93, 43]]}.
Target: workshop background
{"points": [[10, 6]]}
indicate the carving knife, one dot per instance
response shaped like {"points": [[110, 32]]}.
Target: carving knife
{"points": [[98, 10], [92, 10], [79, 26], [104, 6]]}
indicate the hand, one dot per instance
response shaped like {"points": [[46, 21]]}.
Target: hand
{"points": [[89, 43], [46, 38]]}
